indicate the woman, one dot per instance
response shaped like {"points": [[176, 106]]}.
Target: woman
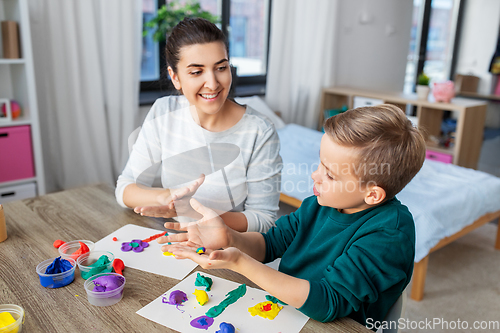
{"points": [[201, 131]]}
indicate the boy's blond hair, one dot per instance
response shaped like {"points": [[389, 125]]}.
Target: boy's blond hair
{"points": [[390, 149]]}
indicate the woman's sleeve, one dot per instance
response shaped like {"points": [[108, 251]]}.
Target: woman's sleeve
{"points": [[145, 157], [263, 182]]}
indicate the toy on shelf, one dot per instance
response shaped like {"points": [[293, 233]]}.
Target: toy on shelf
{"points": [[444, 91], [11, 107]]}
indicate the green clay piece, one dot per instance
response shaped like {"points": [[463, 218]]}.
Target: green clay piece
{"points": [[134, 244], [203, 281], [274, 300], [232, 297], [169, 243], [100, 266], [166, 233]]}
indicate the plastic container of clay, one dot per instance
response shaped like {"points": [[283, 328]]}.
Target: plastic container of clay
{"points": [[17, 313], [104, 298], [87, 259], [67, 250], [55, 280]]}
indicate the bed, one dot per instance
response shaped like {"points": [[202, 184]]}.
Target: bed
{"points": [[446, 201]]}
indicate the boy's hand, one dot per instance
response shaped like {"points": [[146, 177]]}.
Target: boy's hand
{"points": [[210, 231], [174, 202], [228, 258]]}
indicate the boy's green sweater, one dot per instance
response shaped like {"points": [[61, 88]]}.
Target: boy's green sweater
{"points": [[357, 264]]}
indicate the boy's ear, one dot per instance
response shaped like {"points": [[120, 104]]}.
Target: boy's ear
{"points": [[174, 78], [375, 195]]}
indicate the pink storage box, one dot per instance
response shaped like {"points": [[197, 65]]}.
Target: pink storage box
{"points": [[16, 156], [440, 157]]}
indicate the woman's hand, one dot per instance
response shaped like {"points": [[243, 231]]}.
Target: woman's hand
{"points": [[174, 202], [210, 231]]}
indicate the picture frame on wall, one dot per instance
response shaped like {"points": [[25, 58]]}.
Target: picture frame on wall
{"points": [[7, 117]]}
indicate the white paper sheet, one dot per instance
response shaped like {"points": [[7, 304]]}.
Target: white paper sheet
{"points": [[151, 259], [288, 320]]}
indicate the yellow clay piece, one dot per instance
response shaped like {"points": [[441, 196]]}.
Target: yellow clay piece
{"points": [[201, 296], [266, 309], [166, 254], [6, 319]]}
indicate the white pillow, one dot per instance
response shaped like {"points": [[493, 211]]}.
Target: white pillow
{"points": [[259, 105]]}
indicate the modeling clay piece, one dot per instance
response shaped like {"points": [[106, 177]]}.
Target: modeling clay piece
{"points": [[200, 250], [57, 243], [83, 249], [100, 266], [6, 319], [274, 299], [226, 328], [107, 283], [135, 245], [166, 254], [266, 309], [201, 296], [115, 239], [176, 298], [203, 281], [58, 266], [231, 297], [202, 322], [118, 266], [149, 239]]}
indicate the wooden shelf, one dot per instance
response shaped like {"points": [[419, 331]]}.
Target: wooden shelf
{"points": [[12, 61], [470, 122], [480, 96]]}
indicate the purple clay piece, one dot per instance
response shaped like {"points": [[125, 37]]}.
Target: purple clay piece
{"points": [[137, 249], [126, 247], [145, 244], [107, 283], [203, 322], [176, 298]]}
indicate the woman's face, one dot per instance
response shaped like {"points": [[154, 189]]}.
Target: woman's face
{"points": [[204, 76]]}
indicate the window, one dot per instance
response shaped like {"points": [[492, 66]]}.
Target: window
{"points": [[434, 36], [246, 22]]}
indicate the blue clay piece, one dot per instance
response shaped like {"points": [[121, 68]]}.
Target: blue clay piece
{"points": [[226, 328], [58, 266]]}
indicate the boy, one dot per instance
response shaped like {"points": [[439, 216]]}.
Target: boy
{"points": [[347, 251]]}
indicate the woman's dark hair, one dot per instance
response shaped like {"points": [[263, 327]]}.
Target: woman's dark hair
{"points": [[191, 31]]}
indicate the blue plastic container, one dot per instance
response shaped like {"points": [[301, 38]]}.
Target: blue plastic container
{"points": [[55, 280]]}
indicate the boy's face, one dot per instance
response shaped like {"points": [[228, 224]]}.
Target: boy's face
{"points": [[335, 184]]}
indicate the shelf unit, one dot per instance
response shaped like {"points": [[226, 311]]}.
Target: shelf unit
{"points": [[17, 81], [470, 119]]}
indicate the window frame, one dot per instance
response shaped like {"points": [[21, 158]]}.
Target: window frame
{"points": [[243, 85]]}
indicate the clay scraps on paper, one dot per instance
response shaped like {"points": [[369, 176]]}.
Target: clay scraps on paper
{"points": [[202, 322], [265, 309], [177, 297], [203, 281], [231, 297]]}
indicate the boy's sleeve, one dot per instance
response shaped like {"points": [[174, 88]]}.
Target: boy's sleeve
{"points": [[263, 181], [280, 236], [357, 278]]}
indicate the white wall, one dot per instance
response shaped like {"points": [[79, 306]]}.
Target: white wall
{"points": [[481, 22], [373, 42]]}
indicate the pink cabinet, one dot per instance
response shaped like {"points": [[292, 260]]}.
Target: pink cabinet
{"points": [[16, 155]]}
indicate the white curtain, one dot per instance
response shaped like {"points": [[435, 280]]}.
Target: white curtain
{"points": [[301, 57], [87, 67]]}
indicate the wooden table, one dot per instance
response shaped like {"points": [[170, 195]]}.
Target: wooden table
{"points": [[87, 213]]}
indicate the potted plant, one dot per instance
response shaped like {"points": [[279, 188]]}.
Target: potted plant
{"points": [[172, 13], [423, 88]]}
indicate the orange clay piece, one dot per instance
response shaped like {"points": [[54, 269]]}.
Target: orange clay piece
{"points": [[83, 249], [115, 239], [149, 239], [57, 244]]}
